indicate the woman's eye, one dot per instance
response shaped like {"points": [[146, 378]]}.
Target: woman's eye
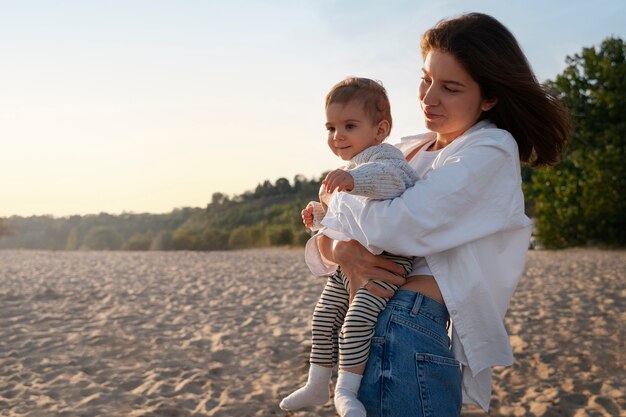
{"points": [[450, 90]]}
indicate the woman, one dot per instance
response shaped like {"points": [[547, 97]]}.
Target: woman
{"points": [[464, 222]]}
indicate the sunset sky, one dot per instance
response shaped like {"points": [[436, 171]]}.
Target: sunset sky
{"points": [[148, 105]]}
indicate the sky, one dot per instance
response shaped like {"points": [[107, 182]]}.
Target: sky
{"points": [[145, 106]]}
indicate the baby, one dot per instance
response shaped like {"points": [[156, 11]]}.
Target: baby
{"points": [[358, 119]]}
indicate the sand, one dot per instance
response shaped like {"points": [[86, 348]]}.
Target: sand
{"points": [[226, 334]]}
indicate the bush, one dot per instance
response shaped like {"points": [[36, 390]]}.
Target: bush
{"points": [[102, 238], [247, 237], [138, 242], [214, 239], [279, 235]]}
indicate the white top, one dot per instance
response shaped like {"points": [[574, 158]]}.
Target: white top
{"points": [[379, 172], [466, 217], [423, 164]]}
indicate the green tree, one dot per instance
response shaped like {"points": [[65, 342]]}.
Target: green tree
{"points": [[162, 241], [4, 228], [214, 239], [583, 199], [138, 241], [247, 237], [102, 238], [279, 235]]}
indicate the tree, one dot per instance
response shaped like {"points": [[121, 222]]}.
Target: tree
{"points": [[282, 186], [278, 235], [102, 238], [246, 237], [138, 242], [4, 228], [583, 200], [219, 198]]}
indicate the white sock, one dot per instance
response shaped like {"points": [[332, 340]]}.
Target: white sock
{"points": [[315, 392], [346, 403]]}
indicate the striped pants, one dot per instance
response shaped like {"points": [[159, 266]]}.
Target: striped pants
{"points": [[343, 331]]}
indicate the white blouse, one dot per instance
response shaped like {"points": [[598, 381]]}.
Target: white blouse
{"points": [[466, 218], [422, 163]]}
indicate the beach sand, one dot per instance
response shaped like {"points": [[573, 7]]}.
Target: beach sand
{"points": [[227, 334]]}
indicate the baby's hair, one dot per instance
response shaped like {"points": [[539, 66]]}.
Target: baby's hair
{"points": [[369, 93]]}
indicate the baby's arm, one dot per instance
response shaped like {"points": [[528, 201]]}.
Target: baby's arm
{"points": [[381, 180], [379, 172]]}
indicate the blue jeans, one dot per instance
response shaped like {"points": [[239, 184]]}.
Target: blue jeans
{"points": [[411, 371]]}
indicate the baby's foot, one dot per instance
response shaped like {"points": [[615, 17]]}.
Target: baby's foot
{"points": [[307, 396], [347, 404]]}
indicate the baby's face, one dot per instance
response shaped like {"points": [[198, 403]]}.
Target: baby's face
{"points": [[350, 129]]}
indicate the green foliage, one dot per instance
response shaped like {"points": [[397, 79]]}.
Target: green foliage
{"points": [[279, 235], [268, 216], [247, 237], [583, 200], [102, 238], [4, 228], [138, 241], [162, 241]]}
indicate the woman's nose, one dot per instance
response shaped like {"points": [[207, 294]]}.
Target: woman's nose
{"points": [[429, 96]]}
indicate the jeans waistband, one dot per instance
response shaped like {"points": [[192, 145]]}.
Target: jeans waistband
{"points": [[418, 303]]}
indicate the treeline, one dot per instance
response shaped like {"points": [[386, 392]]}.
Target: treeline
{"points": [[267, 216]]}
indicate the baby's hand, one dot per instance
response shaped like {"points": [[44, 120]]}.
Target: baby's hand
{"points": [[307, 217], [338, 180]]}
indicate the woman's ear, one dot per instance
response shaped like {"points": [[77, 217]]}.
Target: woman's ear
{"points": [[382, 131], [488, 104]]}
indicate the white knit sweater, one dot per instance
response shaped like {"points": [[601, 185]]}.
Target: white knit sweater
{"points": [[380, 172]]}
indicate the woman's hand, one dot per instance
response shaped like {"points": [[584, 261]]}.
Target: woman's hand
{"points": [[361, 267]]}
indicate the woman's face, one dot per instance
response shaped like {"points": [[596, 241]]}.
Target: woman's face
{"points": [[449, 97]]}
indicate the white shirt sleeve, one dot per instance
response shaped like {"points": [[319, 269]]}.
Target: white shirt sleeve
{"points": [[471, 195], [318, 265]]}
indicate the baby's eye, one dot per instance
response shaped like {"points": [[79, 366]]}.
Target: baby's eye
{"points": [[330, 129], [350, 126]]}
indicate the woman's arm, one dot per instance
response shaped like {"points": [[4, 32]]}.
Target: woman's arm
{"points": [[361, 266], [476, 192]]}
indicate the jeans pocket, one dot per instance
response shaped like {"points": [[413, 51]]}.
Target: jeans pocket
{"points": [[439, 382], [378, 340], [425, 328]]}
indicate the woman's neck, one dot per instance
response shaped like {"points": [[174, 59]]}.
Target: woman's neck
{"points": [[439, 143]]}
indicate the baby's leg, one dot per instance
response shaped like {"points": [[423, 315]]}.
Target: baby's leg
{"points": [[327, 319], [354, 346]]}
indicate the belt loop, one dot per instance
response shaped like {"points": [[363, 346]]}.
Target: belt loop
{"points": [[418, 303]]}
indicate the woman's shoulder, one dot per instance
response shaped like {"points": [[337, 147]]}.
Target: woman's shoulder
{"points": [[486, 133], [409, 143]]}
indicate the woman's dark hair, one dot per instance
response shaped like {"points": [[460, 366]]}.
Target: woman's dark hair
{"points": [[490, 54]]}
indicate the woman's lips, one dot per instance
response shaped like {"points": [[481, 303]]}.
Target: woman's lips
{"points": [[432, 116]]}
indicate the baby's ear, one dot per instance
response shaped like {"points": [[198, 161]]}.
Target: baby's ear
{"points": [[382, 130]]}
